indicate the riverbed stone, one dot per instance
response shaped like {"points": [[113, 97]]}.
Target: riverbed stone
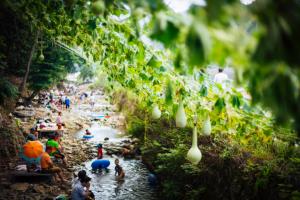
{"points": [[39, 189], [20, 186]]}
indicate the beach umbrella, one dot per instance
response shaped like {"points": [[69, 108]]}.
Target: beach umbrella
{"points": [[32, 151]]}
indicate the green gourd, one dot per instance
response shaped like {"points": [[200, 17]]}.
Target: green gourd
{"points": [[156, 113], [180, 116], [194, 154], [206, 130], [41, 57], [98, 7]]}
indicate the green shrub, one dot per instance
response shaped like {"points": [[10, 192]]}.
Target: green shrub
{"points": [[136, 127], [7, 90]]}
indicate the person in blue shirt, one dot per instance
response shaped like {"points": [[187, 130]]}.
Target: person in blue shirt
{"points": [[67, 102]]}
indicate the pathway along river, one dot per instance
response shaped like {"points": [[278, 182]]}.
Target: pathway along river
{"points": [[104, 185]]}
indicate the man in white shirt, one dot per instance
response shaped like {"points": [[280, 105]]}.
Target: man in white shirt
{"points": [[220, 77]]}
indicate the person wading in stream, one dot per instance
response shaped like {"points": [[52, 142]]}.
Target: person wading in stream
{"points": [[119, 170], [100, 151], [81, 189]]}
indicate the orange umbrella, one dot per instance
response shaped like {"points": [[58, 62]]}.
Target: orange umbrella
{"points": [[32, 151]]}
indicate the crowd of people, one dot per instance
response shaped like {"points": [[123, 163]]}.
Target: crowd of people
{"points": [[54, 151]]}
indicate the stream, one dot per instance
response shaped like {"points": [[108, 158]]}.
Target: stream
{"points": [[103, 184]]}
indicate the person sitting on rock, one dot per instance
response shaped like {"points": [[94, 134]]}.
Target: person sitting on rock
{"points": [[29, 136], [54, 149], [119, 172], [48, 167], [34, 132]]}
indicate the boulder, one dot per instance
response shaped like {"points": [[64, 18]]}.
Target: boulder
{"points": [[39, 189], [20, 186], [135, 140], [23, 113], [20, 108]]}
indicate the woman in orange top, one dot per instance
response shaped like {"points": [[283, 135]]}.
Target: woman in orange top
{"points": [[48, 167]]}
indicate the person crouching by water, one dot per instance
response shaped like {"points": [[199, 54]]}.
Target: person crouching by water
{"points": [[119, 172], [81, 189]]}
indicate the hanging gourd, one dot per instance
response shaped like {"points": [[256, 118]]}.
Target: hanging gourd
{"points": [[156, 113], [98, 7], [194, 154], [180, 116], [41, 57], [206, 126]]}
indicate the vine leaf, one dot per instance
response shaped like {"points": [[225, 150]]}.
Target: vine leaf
{"points": [[220, 104], [198, 44], [166, 34]]}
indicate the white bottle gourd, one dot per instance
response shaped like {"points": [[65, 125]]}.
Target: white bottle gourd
{"points": [[206, 126], [194, 154], [180, 116], [156, 113]]}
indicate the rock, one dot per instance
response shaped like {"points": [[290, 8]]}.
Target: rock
{"points": [[4, 184], [20, 186], [39, 189], [127, 146], [24, 113], [20, 108], [135, 140]]}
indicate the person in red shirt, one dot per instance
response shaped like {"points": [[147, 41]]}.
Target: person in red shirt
{"points": [[100, 151], [87, 132]]}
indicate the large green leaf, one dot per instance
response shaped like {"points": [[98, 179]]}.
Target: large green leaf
{"points": [[166, 34], [198, 45], [169, 93], [220, 104]]}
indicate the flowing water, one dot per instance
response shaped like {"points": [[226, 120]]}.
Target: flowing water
{"points": [[104, 184]]}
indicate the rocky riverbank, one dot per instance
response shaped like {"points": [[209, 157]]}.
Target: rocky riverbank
{"points": [[76, 150]]}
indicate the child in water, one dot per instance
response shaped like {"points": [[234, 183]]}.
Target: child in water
{"points": [[119, 170], [100, 151], [87, 132]]}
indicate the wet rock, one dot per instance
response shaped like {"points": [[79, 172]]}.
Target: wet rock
{"points": [[39, 189], [135, 140], [20, 186], [20, 108]]}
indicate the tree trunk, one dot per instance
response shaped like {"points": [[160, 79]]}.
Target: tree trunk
{"points": [[23, 85], [29, 99]]}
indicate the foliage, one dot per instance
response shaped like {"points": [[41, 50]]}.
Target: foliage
{"points": [[57, 63], [7, 90], [213, 34], [164, 75], [86, 73]]}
